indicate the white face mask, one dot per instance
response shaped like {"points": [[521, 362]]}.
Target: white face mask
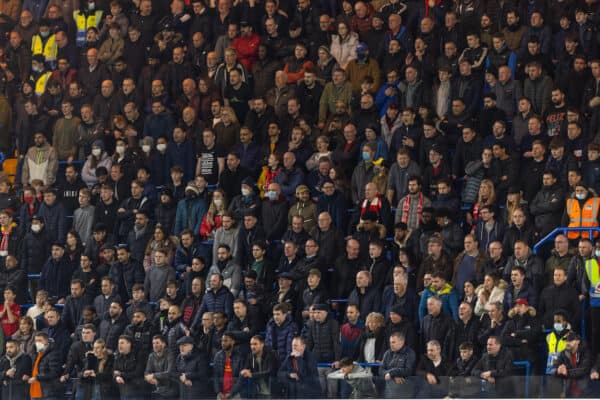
{"points": [[146, 148], [96, 152], [597, 253], [218, 202], [580, 196], [161, 147], [245, 192], [36, 228], [40, 346], [120, 150]]}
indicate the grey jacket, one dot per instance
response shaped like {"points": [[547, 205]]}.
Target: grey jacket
{"points": [[159, 366], [156, 280]]}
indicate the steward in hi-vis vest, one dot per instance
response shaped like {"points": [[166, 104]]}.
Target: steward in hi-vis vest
{"points": [[39, 76], [84, 20], [44, 43], [582, 211]]}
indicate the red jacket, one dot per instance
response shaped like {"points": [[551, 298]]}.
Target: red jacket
{"points": [[247, 49]]}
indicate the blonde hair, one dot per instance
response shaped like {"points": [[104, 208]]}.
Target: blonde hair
{"points": [[376, 317], [491, 198]]}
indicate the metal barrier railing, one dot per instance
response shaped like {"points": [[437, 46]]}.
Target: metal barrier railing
{"points": [[564, 230]]}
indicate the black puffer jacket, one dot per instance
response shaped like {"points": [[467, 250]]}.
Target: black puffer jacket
{"points": [[49, 370], [35, 250]]}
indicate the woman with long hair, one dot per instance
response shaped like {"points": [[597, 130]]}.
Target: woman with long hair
{"points": [[486, 197], [212, 220], [160, 240]]}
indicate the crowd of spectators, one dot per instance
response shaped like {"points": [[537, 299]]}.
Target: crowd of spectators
{"points": [[299, 199]]}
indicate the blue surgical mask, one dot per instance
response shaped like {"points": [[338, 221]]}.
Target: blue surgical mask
{"points": [[44, 34], [580, 196], [366, 156], [597, 253], [272, 195], [558, 327]]}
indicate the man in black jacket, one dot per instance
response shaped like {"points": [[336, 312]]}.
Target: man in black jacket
{"points": [[112, 326], [559, 296], [548, 204], [495, 367], [74, 304], [14, 367], [49, 368], [129, 369], [260, 367], [323, 341], [77, 355]]}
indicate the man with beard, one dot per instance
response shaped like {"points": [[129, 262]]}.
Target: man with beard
{"points": [[158, 367], [15, 366]]}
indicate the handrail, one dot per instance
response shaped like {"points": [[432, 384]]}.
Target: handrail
{"points": [[525, 364], [564, 231]]}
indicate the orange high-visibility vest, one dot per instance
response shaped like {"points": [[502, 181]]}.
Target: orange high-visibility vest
{"points": [[582, 218]]}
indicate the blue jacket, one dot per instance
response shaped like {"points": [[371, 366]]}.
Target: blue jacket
{"points": [[337, 207], [381, 100], [289, 180], [484, 237], [221, 300], [279, 338], [307, 386], [182, 154], [183, 257], [159, 125], [449, 301], [189, 215], [409, 303], [527, 292]]}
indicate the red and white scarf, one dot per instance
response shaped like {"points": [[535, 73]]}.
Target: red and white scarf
{"points": [[406, 208], [374, 206]]}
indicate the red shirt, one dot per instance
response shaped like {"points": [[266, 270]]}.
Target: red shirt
{"points": [[11, 327]]}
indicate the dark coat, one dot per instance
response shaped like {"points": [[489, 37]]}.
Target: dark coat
{"points": [[15, 387], [131, 366], [237, 362], [322, 339], [279, 338], [381, 345], [55, 219], [222, 300], [195, 368], [307, 386], [35, 250], [110, 330], [49, 370], [56, 278]]}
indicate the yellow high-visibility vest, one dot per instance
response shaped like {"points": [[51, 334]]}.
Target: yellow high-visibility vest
{"points": [[83, 23], [49, 50], [42, 81]]}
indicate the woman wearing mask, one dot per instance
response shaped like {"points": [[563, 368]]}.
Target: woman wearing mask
{"points": [[98, 158]]}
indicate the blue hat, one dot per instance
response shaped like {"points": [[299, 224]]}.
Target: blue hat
{"points": [[362, 47]]}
